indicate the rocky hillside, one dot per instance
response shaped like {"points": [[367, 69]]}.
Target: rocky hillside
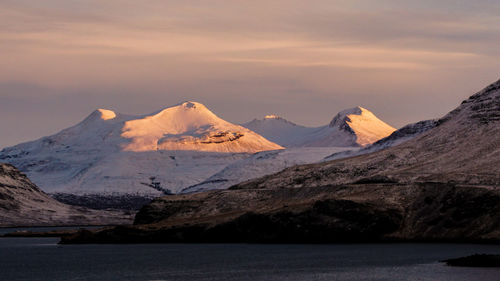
{"points": [[22, 203]]}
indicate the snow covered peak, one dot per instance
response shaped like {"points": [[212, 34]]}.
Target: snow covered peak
{"points": [[344, 115], [191, 126], [351, 127], [100, 114], [363, 124], [106, 114]]}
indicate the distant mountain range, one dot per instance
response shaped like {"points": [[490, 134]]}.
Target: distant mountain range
{"points": [[462, 147], [440, 185], [174, 149], [352, 127]]}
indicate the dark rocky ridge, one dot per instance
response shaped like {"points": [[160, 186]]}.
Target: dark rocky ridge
{"points": [[443, 185], [351, 213]]}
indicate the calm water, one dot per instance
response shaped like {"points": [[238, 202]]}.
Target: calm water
{"points": [[5, 230], [43, 259]]}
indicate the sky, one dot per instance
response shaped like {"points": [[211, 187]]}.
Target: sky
{"points": [[405, 61]]}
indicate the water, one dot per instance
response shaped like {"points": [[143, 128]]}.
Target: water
{"points": [[42, 259], [5, 230]]}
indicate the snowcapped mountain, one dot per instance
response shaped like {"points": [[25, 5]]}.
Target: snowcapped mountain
{"points": [[352, 127], [110, 152], [188, 126], [191, 126]]}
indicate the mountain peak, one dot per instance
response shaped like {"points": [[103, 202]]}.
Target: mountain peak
{"points": [[106, 114], [188, 107], [192, 105], [272, 116], [363, 124], [191, 126], [189, 104], [99, 114], [344, 116]]}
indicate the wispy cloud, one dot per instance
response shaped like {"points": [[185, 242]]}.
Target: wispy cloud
{"points": [[426, 54]]}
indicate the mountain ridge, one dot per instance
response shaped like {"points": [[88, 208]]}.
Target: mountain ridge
{"points": [[356, 126]]}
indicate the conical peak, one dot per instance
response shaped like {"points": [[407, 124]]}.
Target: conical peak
{"points": [[355, 110], [100, 114], [343, 116], [362, 123], [106, 114]]}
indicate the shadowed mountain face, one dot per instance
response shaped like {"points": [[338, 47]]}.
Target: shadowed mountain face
{"points": [[22, 203], [440, 186]]}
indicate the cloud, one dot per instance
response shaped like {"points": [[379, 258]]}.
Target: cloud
{"points": [[405, 60]]}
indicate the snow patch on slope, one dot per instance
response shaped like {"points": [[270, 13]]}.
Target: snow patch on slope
{"points": [[261, 164], [280, 130]]}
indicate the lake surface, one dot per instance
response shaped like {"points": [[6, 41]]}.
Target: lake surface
{"points": [[5, 230], [43, 259]]}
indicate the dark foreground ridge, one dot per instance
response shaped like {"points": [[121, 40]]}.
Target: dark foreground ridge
{"points": [[475, 261], [356, 213]]}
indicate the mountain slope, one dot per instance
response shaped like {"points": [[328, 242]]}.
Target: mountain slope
{"points": [[22, 203], [352, 127], [399, 136], [261, 164], [110, 152], [280, 130]]}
